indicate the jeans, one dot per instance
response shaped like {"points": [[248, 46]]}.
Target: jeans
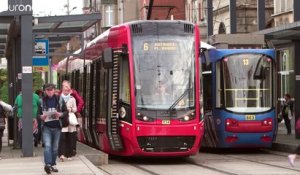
{"points": [[51, 138]]}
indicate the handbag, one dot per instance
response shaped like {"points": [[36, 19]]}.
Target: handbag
{"points": [[279, 118], [290, 114], [73, 119]]}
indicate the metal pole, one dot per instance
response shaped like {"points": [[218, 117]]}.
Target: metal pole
{"points": [[150, 9], [296, 10], [297, 84], [261, 14], [26, 62], [210, 30], [50, 70], [232, 13]]}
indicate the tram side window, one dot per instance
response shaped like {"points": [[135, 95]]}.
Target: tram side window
{"points": [[124, 81], [207, 87], [103, 92], [219, 88]]}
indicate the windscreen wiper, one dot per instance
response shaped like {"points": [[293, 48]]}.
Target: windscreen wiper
{"points": [[178, 99]]}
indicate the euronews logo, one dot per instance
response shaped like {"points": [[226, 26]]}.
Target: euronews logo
{"points": [[14, 6]]}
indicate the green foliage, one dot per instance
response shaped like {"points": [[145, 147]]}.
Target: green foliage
{"points": [[37, 83], [3, 85]]}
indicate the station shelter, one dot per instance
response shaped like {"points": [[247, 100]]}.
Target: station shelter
{"points": [[286, 40], [30, 44]]}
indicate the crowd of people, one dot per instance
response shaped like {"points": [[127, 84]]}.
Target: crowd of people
{"points": [[55, 122]]}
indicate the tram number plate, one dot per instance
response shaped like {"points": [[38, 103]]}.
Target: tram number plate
{"points": [[166, 122], [249, 117]]}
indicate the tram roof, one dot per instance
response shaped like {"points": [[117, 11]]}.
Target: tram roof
{"points": [[57, 29]]}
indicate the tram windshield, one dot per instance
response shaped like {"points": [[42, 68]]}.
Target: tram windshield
{"points": [[245, 83], [164, 71]]}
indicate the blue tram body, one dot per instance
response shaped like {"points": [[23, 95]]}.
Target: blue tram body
{"points": [[239, 98]]}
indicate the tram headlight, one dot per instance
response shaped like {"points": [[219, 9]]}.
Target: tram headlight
{"points": [[122, 112], [144, 118], [187, 117]]}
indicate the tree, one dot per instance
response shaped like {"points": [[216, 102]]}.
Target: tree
{"points": [[37, 83], [3, 85]]}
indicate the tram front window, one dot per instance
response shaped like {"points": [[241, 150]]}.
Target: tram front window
{"points": [[164, 71], [245, 83]]}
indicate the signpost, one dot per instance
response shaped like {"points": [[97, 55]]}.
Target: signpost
{"points": [[40, 59]]}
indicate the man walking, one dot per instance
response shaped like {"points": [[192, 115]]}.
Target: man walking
{"points": [[54, 114]]}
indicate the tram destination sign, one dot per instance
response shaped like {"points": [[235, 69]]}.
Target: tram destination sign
{"points": [[160, 46]]}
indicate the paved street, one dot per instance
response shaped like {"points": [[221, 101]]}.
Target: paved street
{"points": [[233, 162]]}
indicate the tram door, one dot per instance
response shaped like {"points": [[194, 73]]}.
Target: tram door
{"points": [[86, 97]]}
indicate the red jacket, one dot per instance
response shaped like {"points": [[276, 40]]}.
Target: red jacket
{"points": [[79, 100]]}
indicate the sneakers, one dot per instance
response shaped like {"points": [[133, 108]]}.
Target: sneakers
{"points": [[47, 169], [291, 159], [54, 169]]}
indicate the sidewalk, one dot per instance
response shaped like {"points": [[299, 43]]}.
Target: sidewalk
{"points": [[13, 164], [284, 142]]}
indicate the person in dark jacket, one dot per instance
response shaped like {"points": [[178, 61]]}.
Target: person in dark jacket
{"points": [[54, 116], [287, 112]]}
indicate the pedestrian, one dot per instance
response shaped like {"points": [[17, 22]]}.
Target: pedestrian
{"points": [[4, 107], [54, 116], [80, 105], [40, 93], [287, 112], [65, 149], [35, 106]]}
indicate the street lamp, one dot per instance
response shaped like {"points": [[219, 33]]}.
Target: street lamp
{"points": [[68, 8], [72, 10]]}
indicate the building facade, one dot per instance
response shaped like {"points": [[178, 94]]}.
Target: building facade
{"points": [[163, 9], [246, 16], [284, 15]]}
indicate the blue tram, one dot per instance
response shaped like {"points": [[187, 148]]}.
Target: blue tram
{"points": [[238, 97]]}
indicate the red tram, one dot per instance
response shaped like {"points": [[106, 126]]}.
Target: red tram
{"points": [[139, 83]]}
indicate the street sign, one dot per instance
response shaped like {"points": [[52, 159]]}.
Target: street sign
{"points": [[40, 59]]}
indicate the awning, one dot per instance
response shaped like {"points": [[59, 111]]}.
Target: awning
{"points": [[57, 29], [290, 31]]}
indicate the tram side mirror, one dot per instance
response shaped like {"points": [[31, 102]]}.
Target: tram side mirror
{"points": [[204, 56], [260, 74], [107, 58]]}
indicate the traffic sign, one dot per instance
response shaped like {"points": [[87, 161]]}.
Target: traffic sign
{"points": [[40, 56]]}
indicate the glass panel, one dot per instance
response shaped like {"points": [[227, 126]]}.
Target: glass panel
{"points": [[164, 71], [247, 81], [124, 83], [286, 73], [109, 15]]}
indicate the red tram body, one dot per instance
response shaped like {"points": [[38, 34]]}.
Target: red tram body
{"points": [[141, 90]]}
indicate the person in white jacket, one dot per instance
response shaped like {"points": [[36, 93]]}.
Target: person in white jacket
{"points": [[65, 145], [4, 107]]}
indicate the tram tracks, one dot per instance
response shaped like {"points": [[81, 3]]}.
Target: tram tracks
{"points": [[287, 167], [203, 163]]}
